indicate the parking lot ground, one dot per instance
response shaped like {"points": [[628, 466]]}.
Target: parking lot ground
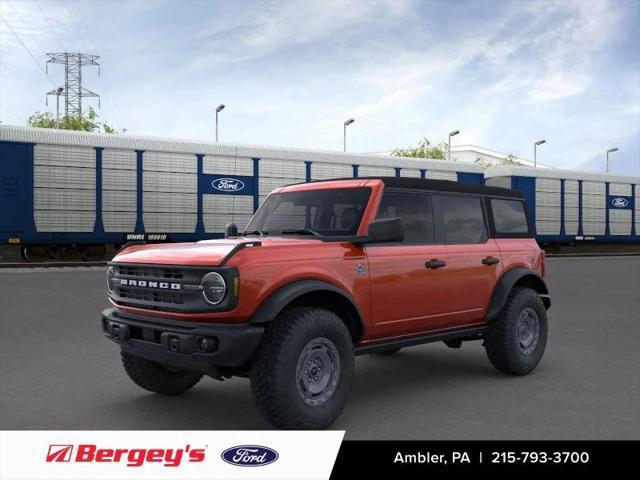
{"points": [[59, 372]]}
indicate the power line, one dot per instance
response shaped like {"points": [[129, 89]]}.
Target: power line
{"points": [[21, 80], [44, 15], [11, 113], [73, 20], [25, 26], [27, 49], [106, 84]]}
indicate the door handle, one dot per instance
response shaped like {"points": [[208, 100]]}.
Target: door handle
{"points": [[435, 263], [490, 260]]}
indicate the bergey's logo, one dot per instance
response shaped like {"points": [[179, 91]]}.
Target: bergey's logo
{"points": [[249, 456], [619, 202], [131, 457], [227, 184], [59, 453]]}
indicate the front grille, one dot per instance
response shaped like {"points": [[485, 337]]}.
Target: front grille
{"points": [[150, 295], [163, 273], [166, 287]]}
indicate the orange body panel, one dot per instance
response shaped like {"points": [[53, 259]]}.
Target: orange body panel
{"points": [[394, 291]]}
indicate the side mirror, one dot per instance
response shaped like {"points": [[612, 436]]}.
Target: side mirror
{"points": [[230, 230], [383, 230]]}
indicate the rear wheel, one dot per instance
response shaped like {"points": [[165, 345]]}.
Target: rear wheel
{"points": [[517, 338], [157, 378], [302, 372]]}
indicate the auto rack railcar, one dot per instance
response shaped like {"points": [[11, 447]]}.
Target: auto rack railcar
{"points": [[79, 192], [568, 206]]}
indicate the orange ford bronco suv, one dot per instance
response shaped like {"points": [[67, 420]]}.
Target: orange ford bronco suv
{"points": [[326, 271]]}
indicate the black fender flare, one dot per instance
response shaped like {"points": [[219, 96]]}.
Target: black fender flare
{"points": [[506, 283], [286, 294]]}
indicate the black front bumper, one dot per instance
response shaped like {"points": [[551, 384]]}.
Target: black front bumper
{"points": [[181, 344]]}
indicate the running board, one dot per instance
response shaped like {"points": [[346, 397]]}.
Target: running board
{"points": [[474, 333]]}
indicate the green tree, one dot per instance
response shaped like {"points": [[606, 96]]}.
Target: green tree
{"points": [[424, 150], [85, 123], [510, 159]]}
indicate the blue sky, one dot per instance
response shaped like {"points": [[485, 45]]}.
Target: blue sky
{"points": [[504, 73]]}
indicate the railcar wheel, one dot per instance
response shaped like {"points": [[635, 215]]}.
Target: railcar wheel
{"points": [[38, 253], [93, 253]]}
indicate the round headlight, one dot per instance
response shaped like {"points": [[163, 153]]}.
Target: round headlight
{"points": [[111, 272], [215, 288]]}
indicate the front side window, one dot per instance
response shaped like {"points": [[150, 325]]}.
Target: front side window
{"points": [[462, 219], [327, 212], [414, 211], [509, 216]]}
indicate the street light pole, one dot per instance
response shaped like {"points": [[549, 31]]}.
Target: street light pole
{"points": [[58, 92], [344, 132], [451, 134], [611, 150], [219, 108], [535, 146]]}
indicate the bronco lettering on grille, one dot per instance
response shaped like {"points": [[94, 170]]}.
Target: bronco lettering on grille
{"points": [[149, 284]]}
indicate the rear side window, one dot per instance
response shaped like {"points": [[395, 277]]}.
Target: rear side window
{"points": [[462, 219], [509, 216], [414, 211]]}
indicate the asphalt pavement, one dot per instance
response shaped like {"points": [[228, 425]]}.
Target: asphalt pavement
{"points": [[57, 371]]}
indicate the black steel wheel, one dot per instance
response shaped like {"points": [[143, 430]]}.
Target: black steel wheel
{"points": [[302, 372], [517, 338]]}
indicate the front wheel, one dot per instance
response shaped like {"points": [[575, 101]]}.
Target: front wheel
{"points": [[517, 338], [302, 372]]}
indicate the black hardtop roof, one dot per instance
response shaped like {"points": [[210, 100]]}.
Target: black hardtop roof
{"points": [[411, 183]]}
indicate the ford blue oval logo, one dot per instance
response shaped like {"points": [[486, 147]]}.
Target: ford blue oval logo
{"points": [[619, 202], [249, 456], [227, 184]]}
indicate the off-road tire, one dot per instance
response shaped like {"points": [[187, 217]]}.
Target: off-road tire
{"points": [[154, 377], [502, 342], [386, 353], [275, 383]]}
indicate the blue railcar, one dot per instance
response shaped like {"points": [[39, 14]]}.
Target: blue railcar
{"points": [[568, 206], [82, 191]]}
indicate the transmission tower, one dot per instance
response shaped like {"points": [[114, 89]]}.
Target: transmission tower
{"points": [[74, 92]]}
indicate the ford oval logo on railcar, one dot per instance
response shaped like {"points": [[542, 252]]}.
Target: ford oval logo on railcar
{"points": [[249, 455], [227, 184], [619, 202]]}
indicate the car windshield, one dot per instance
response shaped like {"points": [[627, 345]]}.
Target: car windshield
{"points": [[326, 212]]}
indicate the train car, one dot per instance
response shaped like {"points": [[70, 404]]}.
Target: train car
{"points": [[567, 207], [74, 194]]}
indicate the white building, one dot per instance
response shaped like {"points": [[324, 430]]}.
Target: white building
{"points": [[470, 153]]}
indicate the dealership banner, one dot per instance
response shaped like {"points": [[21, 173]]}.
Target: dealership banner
{"points": [[158, 455]]}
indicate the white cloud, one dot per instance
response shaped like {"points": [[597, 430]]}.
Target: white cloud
{"points": [[291, 72], [254, 34]]}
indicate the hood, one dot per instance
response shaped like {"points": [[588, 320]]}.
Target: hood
{"points": [[202, 253]]}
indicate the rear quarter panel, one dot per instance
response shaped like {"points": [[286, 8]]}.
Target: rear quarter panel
{"points": [[521, 252]]}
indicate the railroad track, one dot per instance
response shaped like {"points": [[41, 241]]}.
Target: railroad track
{"points": [[51, 264]]}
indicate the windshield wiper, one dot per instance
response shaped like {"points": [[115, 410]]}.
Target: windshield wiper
{"points": [[254, 232], [302, 231]]}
